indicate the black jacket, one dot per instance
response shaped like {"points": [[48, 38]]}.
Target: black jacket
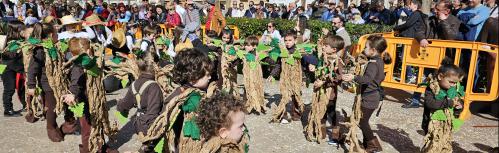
{"points": [[3, 10], [447, 29], [414, 23]]}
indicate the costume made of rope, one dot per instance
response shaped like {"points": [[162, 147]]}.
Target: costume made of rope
{"points": [[253, 82], [189, 138], [228, 72], [221, 145], [290, 83], [320, 98], [354, 119], [442, 123]]}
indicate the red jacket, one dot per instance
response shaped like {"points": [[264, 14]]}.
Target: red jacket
{"points": [[173, 19]]}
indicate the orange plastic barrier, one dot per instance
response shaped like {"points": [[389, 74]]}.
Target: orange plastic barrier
{"points": [[431, 57]]}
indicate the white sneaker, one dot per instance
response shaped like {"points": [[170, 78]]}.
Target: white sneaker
{"points": [[284, 121], [332, 142]]}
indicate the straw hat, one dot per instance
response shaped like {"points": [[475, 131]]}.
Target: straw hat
{"points": [[119, 38], [93, 20], [68, 19], [48, 19]]}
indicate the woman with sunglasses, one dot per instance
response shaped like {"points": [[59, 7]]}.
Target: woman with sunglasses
{"points": [[270, 33]]}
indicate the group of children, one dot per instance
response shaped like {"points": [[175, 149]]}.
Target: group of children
{"points": [[197, 106]]}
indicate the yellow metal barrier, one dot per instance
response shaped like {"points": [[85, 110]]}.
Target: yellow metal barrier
{"points": [[430, 58]]}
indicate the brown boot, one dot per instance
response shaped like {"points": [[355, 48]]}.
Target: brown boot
{"points": [[55, 134], [295, 114], [30, 118], [336, 133], [83, 149], [373, 146], [69, 127]]}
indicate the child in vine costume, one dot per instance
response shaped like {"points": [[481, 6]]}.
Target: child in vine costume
{"points": [[290, 64], [87, 95], [12, 64], [177, 122], [41, 76], [253, 76], [442, 104], [145, 94], [369, 80], [227, 72], [221, 120], [328, 77]]}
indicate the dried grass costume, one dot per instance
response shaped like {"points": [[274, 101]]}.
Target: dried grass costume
{"points": [[176, 124], [439, 116]]}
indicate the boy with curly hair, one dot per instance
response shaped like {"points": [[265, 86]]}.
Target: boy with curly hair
{"points": [[221, 120], [177, 121]]}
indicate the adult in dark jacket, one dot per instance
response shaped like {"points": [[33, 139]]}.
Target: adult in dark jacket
{"points": [[444, 26], [414, 23], [6, 4]]}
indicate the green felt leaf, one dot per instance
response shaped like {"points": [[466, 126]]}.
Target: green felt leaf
{"points": [[122, 117], [441, 95], [232, 51], [456, 124], [191, 129], [47, 43], [52, 53], [77, 109], [274, 55], [94, 71], [246, 148], [2, 68], [34, 41], [264, 63], [217, 42], [439, 115], [284, 53], [250, 57], [274, 42], [124, 82], [262, 56], [163, 41], [116, 60], [87, 62], [13, 46], [290, 61], [240, 54], [307, 47], [460, 90], [192, 102], [297, 55], [253, 65], [159, 147], [63, 46], [262, 47], [452, 92]]}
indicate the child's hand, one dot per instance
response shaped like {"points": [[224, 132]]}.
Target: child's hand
{"points": [[311, 68], [347, 77], [318, 84], [457, 104], [31, 92], [270, 79], [69, 99]]}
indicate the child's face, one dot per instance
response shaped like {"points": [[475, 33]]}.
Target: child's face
{"points": [[152, 36], [249, 48], [448, 81], [368, 51], [236, 130], [203, 82], [329, 51], [226, 38], [289, 41]]}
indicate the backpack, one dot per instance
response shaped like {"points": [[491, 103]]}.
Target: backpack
{"points": [[138, 95]]}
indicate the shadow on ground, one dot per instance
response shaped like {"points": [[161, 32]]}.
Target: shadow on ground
{"points": [[397, 138]]}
